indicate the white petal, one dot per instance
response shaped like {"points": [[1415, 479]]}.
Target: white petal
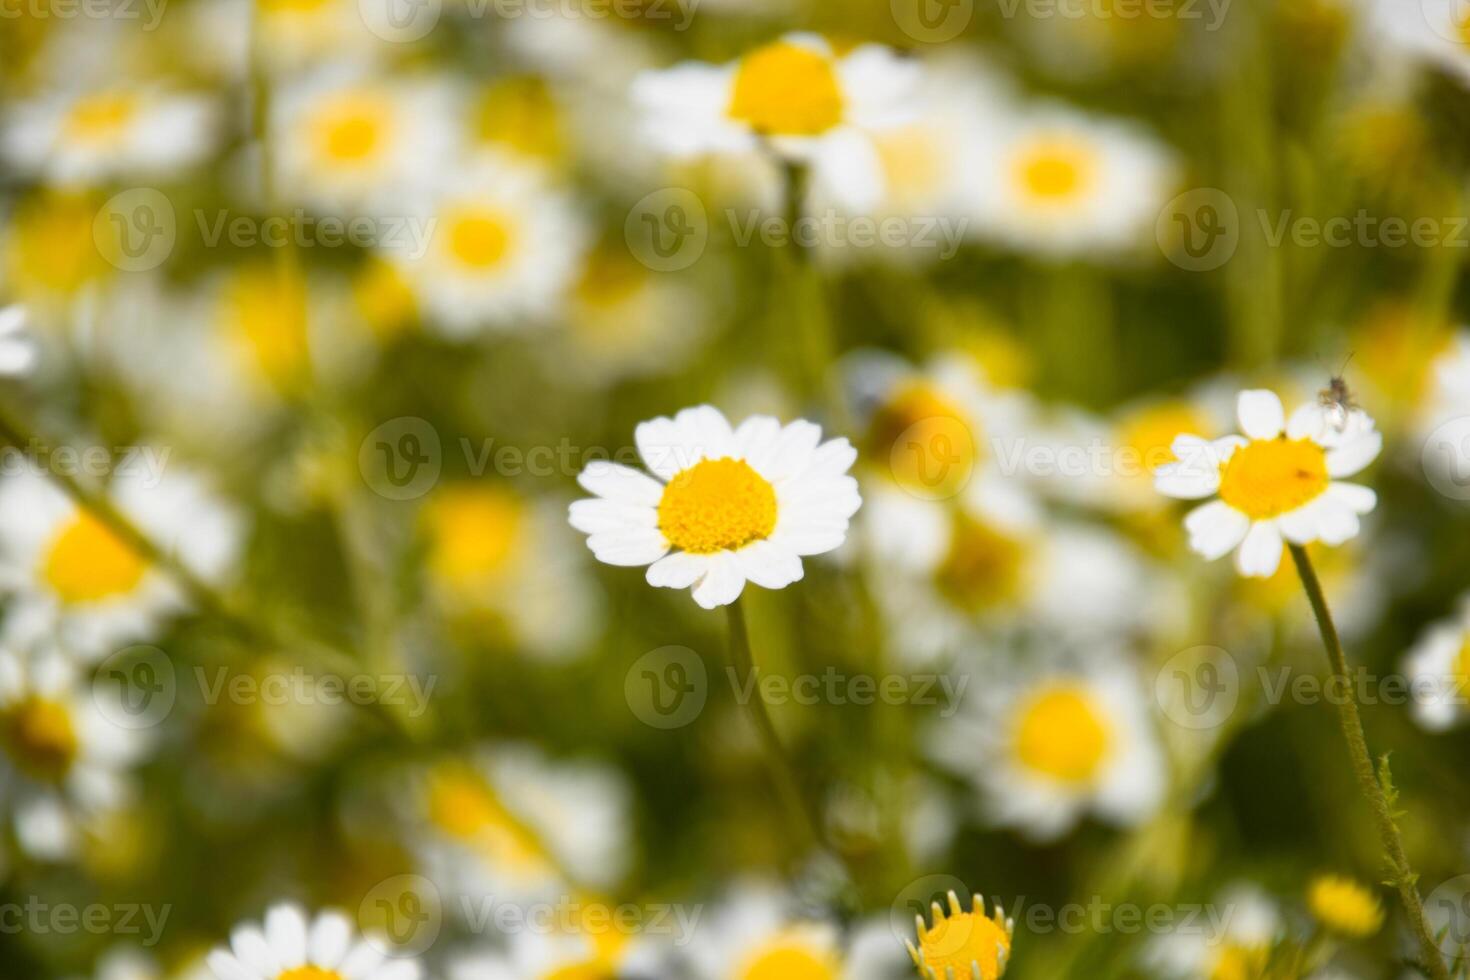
{"points": [[331, 934], [722, 584], [832, 458], [613, 481], [1187, 480], [630, 547], [1307, 422], [791, 453], [1303, 525], [1260, 553], [756, 435], [285, 930], [769, 565], [226, 967], [1351, 457], [399, 970], [1358, 498], [361, 961], [598, 516], [847, 170], [1336, 522], [251, 948], [661, 444], [677, 571], [707, 429], [1260, 414], [811, 540], [1215, 529]]}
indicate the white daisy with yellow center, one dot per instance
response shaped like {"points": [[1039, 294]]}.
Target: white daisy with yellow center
{"points": [[1234, 944], [1438, 667], [75, 579], [345, 142], [62, 760], [502, 248], [1279, 482], [1044, 751], [290, 946], [799, 96], [512, 823], [724, 506], [1062, 183], [95, 135]]}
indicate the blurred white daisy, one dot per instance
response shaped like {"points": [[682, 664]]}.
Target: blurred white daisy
{"points": [[1446, 402], [1234, 938], [487, 563], [64, 759], [17, 346], [345, 142], [728, 505], [1061, 183], [499, 248], [1438, 668], [1279, 481], [121, 130], [125, 963], [74, 580], [535, 954], [290, 946], [798, 96], [1436, 31], [1045, 750], [514, 824]]}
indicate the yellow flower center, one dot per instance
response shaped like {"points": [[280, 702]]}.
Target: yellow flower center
{"points": [[87, 562], [591, 970], [931, 445], [787, 957], [785, 89], [309, 973], [265, 310], [717, 504], [914, 163], [383, 298], [101, 118], [521, 113], [465, 807], [352, 127], [1344, 906], [1056, 170], [962, 939], [1269, 477], [480, 237], [52, 247], [40, 738], [984, 567], [1149, 433], [1061, 734], [1240, 963], [474, 534]]}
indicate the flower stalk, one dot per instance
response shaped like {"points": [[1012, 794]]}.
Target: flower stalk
{"points": [[1403, 876]]}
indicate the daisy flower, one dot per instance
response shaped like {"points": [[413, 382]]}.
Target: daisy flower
{"points": [[347, 143], [1436, 31], [507, 821], [1234, 940], [1061, 183], [290, 946], [17, 346], [797, 95], [502, 248], [968, 944], [72, 578], [91, 136], [545, 955], [724, 506], [1438, 667], [1044, 750], [1281, 480], [63, 764]]}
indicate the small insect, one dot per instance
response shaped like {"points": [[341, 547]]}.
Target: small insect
{"points": [[1337, 400]]}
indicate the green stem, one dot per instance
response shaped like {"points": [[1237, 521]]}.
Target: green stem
{"points": [[1404, 877]]}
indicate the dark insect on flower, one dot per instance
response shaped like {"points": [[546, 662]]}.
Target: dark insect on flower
{"points": [[1337, 401]]}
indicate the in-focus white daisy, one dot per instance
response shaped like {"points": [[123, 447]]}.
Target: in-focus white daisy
{"points": [[490, 562], [63, 761], [1279, 481], [962, 942], [94, 135], [1234, 938], [1062, 183], [514, 824], [729, 506], [1045, 750], [347, 143], [495, 248], [17, 346], [289, 946], [798, 96], [74, 580], [1438, 667], [759, 930]]}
